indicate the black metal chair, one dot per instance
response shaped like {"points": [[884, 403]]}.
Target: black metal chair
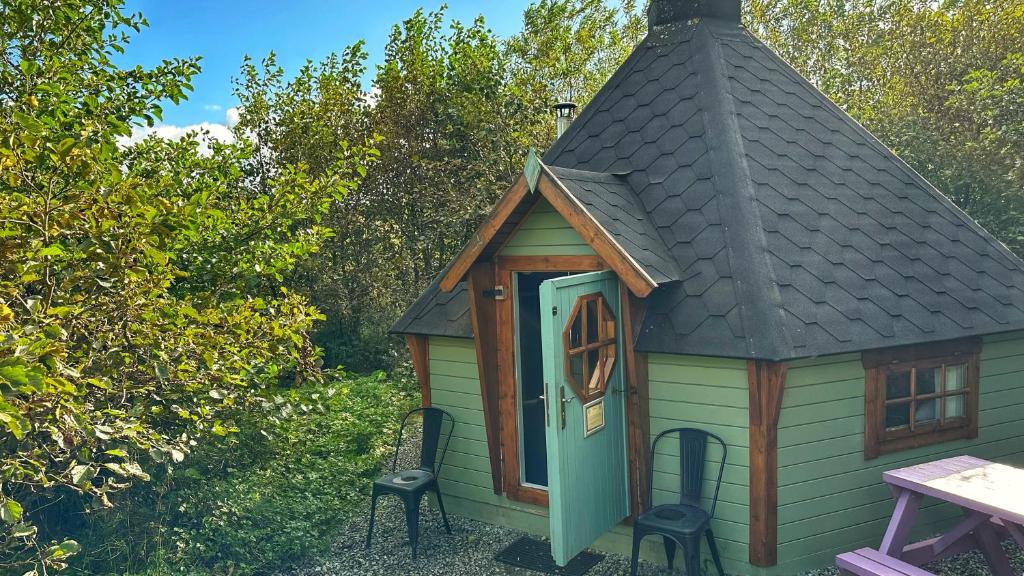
{"points": [[411, 485], [683, 523]]}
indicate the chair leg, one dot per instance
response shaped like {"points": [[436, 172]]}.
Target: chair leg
{"points": [[635, 557], [440, 504], [670, 550], [373, 514], [412, 520], [691, 551], [714, 551]]}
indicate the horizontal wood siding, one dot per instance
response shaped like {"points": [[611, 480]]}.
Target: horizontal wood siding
{"points": [[545, 233], [831, 499], [711, 394], [455, 387]]}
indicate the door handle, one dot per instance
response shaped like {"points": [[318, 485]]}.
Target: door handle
{"points": [[561, 404], [547, 410]]}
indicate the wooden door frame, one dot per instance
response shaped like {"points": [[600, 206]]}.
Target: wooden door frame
{"points": [[635, 375], [508, 406]]}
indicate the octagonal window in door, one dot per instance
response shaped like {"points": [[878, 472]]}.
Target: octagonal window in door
{"points": [[589, 341]]}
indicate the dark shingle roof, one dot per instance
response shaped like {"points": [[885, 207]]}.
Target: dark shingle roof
{"points": [[438, 313], [793, 231], [610, 200]]}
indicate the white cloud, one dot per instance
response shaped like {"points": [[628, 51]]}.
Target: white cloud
{"points": [[201, 131], [372, 96], [212, 107]]}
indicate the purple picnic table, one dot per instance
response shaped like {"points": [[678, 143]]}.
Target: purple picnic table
{"points": [[991, 496]]}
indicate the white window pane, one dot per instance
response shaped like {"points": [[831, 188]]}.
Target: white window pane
{"points": [[955, 406], [956, 377]]}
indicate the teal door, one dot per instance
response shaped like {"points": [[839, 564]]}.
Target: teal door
{"points": [[586, 414]]}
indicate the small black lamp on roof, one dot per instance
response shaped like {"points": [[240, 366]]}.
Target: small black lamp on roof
{"points": [[564, 114], [672, 11]]}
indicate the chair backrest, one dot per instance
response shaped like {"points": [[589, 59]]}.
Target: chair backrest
{"points": [[437, 427], [693, 444]]}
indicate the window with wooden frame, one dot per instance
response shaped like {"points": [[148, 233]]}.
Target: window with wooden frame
{"points": [[589, 340], [920, 395]]}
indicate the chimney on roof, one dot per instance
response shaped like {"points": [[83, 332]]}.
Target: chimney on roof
{"points": [[564, 114], [672, 11]]}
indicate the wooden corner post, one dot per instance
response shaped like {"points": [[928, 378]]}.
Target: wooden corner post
{"points": [[418, 349], [637, 401], [483, 315], [766, 384]]}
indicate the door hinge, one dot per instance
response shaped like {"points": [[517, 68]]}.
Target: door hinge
{"points": [[554, 310]]}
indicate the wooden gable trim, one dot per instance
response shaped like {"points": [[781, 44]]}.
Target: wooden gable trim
{"points": [[638, 408], [624, 266], [483, 316], [570, 208], [766, 382], [419, 351], [471, 251]]}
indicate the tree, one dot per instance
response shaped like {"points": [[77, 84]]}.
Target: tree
{"points": [[453, 110], [140, 300], [939, 82]]}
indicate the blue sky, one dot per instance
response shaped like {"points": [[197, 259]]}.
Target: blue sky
{"points": [[223, 31]]}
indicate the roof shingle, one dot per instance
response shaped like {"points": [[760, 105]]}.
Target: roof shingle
{"points": [[775, 225]]}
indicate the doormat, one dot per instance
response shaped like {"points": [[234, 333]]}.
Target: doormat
{"points": [[534, 554]]}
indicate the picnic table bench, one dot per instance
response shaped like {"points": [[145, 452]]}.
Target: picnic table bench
{"points": [[990, 496], [871, 562]]}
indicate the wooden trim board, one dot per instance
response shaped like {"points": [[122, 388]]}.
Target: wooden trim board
{"points": [[638, 418], [483, 315], [766, 381], [464, 261], [419, 351]]}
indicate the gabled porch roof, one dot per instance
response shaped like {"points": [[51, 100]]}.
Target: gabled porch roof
{"points": [[599, 206]]}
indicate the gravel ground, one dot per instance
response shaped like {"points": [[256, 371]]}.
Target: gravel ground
{"points": [[470, 549]]}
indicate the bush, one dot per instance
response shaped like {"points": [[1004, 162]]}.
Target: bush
{"points": [[272, 494]]}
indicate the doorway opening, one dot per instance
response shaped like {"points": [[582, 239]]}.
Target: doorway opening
{"points": [[533, 460]]}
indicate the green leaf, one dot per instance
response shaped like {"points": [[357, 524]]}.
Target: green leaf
{"points": [[16, 375], [23, 530], [10, 511], [82, 473], [65, 147], [28, 122], [51, 250]]}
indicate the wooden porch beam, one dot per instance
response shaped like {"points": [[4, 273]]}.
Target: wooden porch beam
{"points": [[483, 315], [766, 382], [418, 349]]}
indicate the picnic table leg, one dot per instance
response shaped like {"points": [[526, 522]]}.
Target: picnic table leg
{"points": [[990, 546], [898, 532]]}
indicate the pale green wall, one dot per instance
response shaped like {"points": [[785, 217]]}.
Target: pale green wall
{"points": [[466, 476], [685, 391], [546, 233], [711, 394], [830, 499]]}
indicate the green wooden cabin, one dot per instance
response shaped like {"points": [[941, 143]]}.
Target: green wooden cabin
{"points": [[713, 243]]}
